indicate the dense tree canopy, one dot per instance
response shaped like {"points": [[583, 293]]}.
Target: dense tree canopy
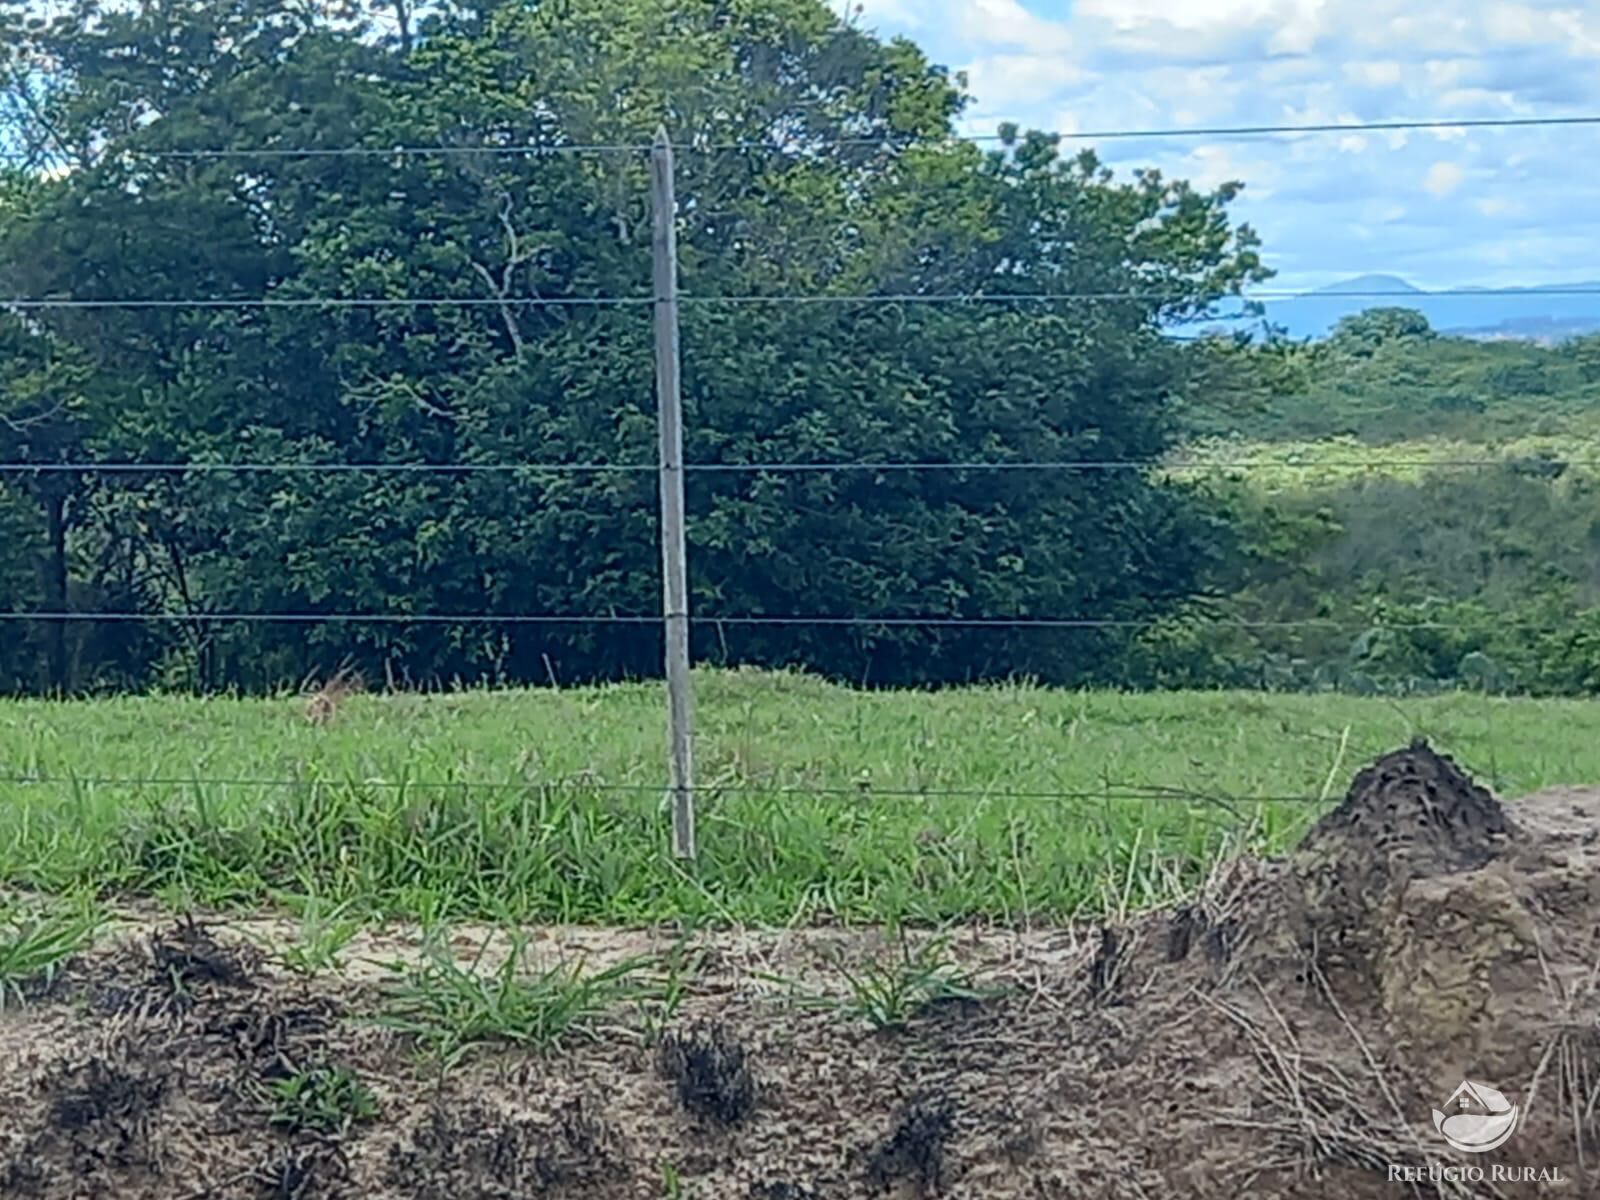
{"points": [[814, 162]]}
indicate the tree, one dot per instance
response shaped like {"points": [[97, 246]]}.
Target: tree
{"points": [[816, 163], [1365, 333]]}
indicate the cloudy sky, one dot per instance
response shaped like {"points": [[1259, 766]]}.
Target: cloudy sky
{"points": [[1441, 208]]}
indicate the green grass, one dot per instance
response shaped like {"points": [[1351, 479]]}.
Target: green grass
{"points": [[34, 946], [449, 1008], [321, 1099], [821, 801], [893, 992]]}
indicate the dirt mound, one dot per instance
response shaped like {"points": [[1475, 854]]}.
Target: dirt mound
{"points": [[1303, 1027]]}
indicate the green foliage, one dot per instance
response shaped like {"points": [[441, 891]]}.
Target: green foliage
{"points": [[322, 1099], [1379, 329], [323, 934], [1384, 377], [35, 946], [891, 994], [448, 1007], [800, 213]]}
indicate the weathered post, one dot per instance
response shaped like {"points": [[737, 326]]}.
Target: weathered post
{"points": [[674, 569]]}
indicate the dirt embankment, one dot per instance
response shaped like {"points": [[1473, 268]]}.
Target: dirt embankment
{"points": [[1290, 1033]]}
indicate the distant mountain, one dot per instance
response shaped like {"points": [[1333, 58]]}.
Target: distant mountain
{"points": [[1550, 312]]}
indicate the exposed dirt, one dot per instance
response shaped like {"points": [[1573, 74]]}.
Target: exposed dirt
{"points": [[1289, 1033]]}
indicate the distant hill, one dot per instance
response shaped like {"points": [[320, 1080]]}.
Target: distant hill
{"points": [[1547, 313]]}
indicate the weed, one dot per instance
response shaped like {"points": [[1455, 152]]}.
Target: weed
{"points": [[186, 955], [322, 1099], [891, 994], [448, 1007], [34, 947], [321, 940], [324, 702], [660, 1007]]}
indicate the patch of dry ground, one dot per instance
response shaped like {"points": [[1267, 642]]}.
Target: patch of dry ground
{"points": [[1287, 1034]]}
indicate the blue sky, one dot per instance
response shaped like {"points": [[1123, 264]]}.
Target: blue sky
{"points": [[1441, 208]]}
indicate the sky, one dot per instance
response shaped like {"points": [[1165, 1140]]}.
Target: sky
{"points": [[1445, 208]]}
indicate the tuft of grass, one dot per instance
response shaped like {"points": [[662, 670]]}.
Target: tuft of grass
{"points": [[322, 1099], [891, 993], [658, 1007], [448, 1007], [35, 946], [321, 939]]}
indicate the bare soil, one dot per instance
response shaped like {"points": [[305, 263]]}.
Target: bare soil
{"points": [[1287, 1034]]}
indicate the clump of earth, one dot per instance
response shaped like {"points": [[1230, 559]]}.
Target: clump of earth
{"points": [[1425, 961]]}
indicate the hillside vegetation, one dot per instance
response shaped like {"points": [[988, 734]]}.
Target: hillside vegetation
{"points": [[1432, 520], [1431, 503]]}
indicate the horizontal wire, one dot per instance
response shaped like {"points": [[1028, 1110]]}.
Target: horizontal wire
{"points": [[27, 303], [927, 622], [403, 150], [1109, 296], [249, 468], [171, 468], [535, 149], [247, 618], [1223, 131], [788, 791], [40, 303]]}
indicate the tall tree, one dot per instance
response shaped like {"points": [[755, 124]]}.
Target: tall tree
{"points": [[816, 165]]}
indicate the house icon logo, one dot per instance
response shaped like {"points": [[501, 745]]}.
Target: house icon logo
{"points": [[1476, 1118]]}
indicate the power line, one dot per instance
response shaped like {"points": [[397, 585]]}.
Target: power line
{"points": [[886, 141], [37, 303], [869, 467]]}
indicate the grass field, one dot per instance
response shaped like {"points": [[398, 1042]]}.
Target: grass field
{"points": [[820, 803]]}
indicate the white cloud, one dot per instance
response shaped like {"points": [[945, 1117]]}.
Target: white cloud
{"points": [[1287, 26], [1001, 81], [1444, 178], [1007, 23], [875, 13], [1376, 74], [1149, 64], [1499, 206]]}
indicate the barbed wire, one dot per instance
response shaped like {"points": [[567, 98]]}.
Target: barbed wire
{"points": [[776, 468], [1124, 792], [885, 141], [45, 303], [754, 620]]}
